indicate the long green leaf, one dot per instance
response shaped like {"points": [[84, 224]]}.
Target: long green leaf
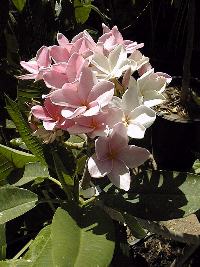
{"points": [[84, 240], [18, 158], [19, 4], [33, 171], [40, 250], [6, 167], [63, 176], [2, 241], [14, 202], [25, 132], [158, 195]]}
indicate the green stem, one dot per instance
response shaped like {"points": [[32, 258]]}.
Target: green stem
{"points": [[74, 145], [55, 181], [23, 250], [86, 202]]}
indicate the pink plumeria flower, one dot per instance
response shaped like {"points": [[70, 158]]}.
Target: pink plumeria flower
{"points": [[111, 38], [62, 73], [59, 54], [96, 125], [83, 44], [38, 65], [50, 115], [113, 157], [137, 118], [112, 66], [86, 98]]}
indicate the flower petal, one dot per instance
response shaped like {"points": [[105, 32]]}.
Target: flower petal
{"points": [[54, 79], [99, 168], [43, 57], [87, 81], [67, 96], [135, 130], [133, 156], [120, 175], [49, 125], [118, 137], [130, 98], [40, 113], [30, 66], [102, 147], [99, 89], [59, 54], [74, 67], [71, 113], [153, 98], [143, 115]]}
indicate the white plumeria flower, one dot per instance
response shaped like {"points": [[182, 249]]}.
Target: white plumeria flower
{"points": [[137, 118], [114, 65], [150, 87], [139, 58]]}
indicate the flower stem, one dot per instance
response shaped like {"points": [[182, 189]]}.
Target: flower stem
{"points": [[22, 250]]}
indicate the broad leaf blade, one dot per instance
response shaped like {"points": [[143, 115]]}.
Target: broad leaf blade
{"points": [[40, 250], [15, 202], [86, 240], [82, 11], [33, 171], [159, 195], [24, 130], [16, 157], [19, 4]]}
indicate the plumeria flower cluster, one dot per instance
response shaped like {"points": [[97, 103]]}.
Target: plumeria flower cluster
{"points": [[92, 91]]}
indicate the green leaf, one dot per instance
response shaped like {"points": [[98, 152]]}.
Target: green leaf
{"points": [[15, 263], [2, 241], [82, 10], [196, 166], [33, 171], [6, 167], [25, 132], [19, 4], [40, 250], [28, 90], [158, 195], [14, 202], [16, 157], [64, 177], [136, 229], [86, 239]]}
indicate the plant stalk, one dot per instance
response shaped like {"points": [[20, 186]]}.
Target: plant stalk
{"points": [[188, 52]]}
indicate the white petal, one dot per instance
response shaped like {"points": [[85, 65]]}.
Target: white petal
{"points": [[135, 130], [120, 175], [134, 156], [143, 115], [99, 168]]}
